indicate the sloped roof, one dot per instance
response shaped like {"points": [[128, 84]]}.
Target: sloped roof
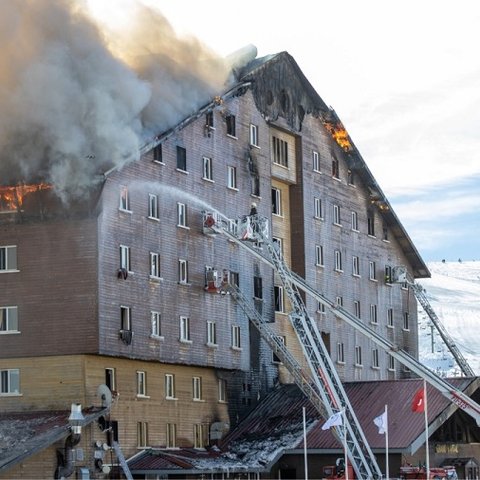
{"points": [[23, 434], [275, 427]]}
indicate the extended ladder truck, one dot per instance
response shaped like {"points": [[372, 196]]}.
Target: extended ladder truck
{"points": [[401, 275], [326, 391]]}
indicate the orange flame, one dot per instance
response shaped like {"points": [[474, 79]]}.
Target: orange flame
{"points": [[11, 198], [340, 135]]}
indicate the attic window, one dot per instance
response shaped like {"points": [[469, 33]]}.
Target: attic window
{"points": [[284, 101]]}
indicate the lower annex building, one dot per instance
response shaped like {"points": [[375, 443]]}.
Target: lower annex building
{"points": [[111, 290]]}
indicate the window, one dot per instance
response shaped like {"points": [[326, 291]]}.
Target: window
{"points": [[230, 120], [276, 201], [209, 120], [235, 278], [211, 333], [350, 177], [255, 185], [375, 358], [181, 159], [275, 358], [335, 168], [319, 255], [236, 339], [339, 301], [280, 152], [391, 362], [340, 353], [388, 274], [154, 265], [222, 390], [8, 258], [358, 356], [200, 435], [336, 215], [279, 300], [372, 271], [169, 386], [373, 314], [155, 320], [110, 379], [385, 233], [356, 308], [355, 266], [183, 272], [124, 199], [8, 319], [125, 258], [321, 308], [316, 161], [157, 153], [141, 384], [125, 318], [142, 434], [317, 208], [197, 388], [153, 206], [355, 221], [338, 261], [10, 381], [207, 169], [253, 135], [278, 243], [232, 177], [181, 215], [371, 225], [406, 321], [257, 288], [171, 435], [184, 329], [390, 317]]}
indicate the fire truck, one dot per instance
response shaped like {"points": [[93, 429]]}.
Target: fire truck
{"points": [[435, 473]]}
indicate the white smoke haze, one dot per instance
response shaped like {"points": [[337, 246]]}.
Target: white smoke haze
{"points": [[73, 106]]}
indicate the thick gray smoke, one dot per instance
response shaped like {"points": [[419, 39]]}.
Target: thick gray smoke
{"points": [[74, 104]]}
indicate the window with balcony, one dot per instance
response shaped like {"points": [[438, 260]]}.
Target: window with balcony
{"points": [[280, 152]]}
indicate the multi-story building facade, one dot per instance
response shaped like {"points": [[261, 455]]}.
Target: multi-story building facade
{"points": [[111, 290]]}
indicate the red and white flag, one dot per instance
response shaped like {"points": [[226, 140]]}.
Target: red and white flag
{"points": [[418, 402]]}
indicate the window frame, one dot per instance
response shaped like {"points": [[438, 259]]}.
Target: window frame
{"points": [[231, 124], [222, 390], [279, 299], [341, 353], [125, 258], [170, 386], [390, 318], [316, 161], [125, 318], [182, 220], [406, 322], [197, 389], [156, 324], [6, 258], [375, 358], [338, 267], [184, 329], [141, 377], [142, 434], [181, 159], [236, 337], [373, 314], [277, 202], [336, 215], [155, 272], [171, 435], [182, 271], [212, 333], [254, 137], [358, 356], [354, 217], [319, 256], [207, 169], [356, 266], [158, 154], [6, 323], [372, 271], [124, 204], [335, 169], [317, 208], [279, 152], [153, 210], [357, 309], [6, 380], [232, 180]]}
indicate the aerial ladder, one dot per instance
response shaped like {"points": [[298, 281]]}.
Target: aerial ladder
{"points": [[322, 385], [401, 275], [214, 222]]}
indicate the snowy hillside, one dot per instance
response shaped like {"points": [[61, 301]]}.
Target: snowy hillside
{"points": [[454, 294]]}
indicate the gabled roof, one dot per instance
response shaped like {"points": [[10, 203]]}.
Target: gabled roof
{"points": [[275, 428], [23, 434]]}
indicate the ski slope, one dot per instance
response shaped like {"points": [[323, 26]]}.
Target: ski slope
{"points": [[454, 294]]}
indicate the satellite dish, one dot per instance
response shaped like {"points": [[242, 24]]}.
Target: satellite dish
{"points": [[105, 395]]}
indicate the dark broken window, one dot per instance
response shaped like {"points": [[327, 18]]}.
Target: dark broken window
{"points": [[230, 119], [157, 153], [182, 159]]}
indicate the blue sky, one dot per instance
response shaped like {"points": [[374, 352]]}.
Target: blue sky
{"points": [[403, 76]]}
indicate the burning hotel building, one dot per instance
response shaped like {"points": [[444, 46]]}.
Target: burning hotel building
{"points": [[111, 299]]}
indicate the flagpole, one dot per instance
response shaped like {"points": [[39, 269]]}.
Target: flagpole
{"points": [[345, 444], [387, 474], [427, 455], [305, 443]]}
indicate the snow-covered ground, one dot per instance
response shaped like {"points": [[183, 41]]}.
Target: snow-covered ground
{"points": [[454, 294]]}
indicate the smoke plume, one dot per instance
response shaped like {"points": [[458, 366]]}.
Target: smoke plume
{"points": [[76, 99]]}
